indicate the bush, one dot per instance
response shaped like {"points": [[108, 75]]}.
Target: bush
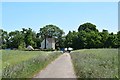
{"points": [[4, 46], [21, 47]]}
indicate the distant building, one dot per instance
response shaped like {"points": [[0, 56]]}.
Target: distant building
{"points": [[30, 48], [50, 43]]}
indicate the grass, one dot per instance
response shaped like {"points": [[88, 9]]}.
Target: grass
{"points": [[95, 63], [24, 64], [0, 65]]}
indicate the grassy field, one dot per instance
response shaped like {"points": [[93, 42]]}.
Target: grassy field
{"points": [[95, 63], [24, 64], [0, 65]]}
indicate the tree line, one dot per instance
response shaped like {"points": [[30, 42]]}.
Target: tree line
{"points": [[21, 39], [87, 36]]}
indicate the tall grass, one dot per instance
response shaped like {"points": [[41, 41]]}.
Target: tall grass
{"points": [[24, 64], [95, 63], [0, 65]]}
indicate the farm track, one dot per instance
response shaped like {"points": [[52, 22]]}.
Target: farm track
{"points": [[60, 68]]}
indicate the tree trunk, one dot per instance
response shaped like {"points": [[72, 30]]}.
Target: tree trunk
{"points": [[45, 41]]}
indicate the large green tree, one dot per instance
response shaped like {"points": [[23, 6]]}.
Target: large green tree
{"points": [[16, 39], [52, 31], [88, 36], [87, 27], [29, 37]]}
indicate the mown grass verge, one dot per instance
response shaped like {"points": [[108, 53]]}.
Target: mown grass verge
{"points": [[24, 64], [96, 63]]}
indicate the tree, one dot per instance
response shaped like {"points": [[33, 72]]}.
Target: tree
{"points": [[38, 40], [87, 27], [104, 36], [118, 36], [80, 40], [21, 39], [52, 31], [3, 39], [88, 36], [29, 37], [16, 39], [93, 40], [111, 41], [68, 41], [76, 40]]}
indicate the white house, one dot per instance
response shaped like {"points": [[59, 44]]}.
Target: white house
{"points": [[50, 43]]}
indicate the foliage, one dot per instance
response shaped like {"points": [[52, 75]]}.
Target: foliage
{"points": [[89, 37], [15, 39], [87, 27], [95, 63], [52, 31], [25, 64], [118, 35], [29, 37], [3, 39], [21, 46], [19, 39]]}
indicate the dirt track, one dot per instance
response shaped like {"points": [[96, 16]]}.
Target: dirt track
{"points": [[60, 68]]}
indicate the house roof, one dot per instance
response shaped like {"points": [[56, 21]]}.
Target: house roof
{"points": [[30, 48], [51, 40]]}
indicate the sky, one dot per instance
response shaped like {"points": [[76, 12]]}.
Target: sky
{"points": [[59, 0], [68, 16]]}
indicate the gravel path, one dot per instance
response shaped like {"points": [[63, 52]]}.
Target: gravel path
{"points": [[60, 68]]}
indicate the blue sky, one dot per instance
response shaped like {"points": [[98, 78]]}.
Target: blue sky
{"points": [[66, 15]]}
